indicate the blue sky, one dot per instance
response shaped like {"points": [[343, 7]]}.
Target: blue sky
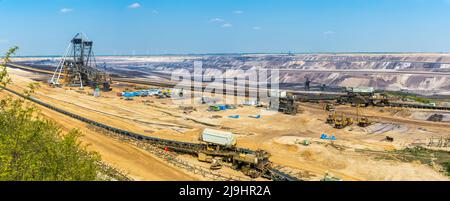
{"points": [[44, 27]]}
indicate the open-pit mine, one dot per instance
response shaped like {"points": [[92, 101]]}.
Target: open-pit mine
{"points": [[348, 117]]}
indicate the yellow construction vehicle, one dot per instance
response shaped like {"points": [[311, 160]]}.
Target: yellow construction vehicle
{"points": [[329, 107], [361, 120], [342, 122], [331, 118]]}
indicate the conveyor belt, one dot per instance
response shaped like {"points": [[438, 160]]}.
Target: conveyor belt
{"points": [[418, 106], [184, 147]]}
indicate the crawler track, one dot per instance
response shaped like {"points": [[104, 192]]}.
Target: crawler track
{"points": [[178, 146]]}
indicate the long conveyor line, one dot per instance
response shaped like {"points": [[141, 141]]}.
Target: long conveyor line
{"points": [[417, 106], [184, 147], [305, 97]]}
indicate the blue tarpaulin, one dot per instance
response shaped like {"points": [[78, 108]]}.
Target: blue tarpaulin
{"points": [[325, 137], [255, 116], [129, 94], [222, 107], [149, 92]]}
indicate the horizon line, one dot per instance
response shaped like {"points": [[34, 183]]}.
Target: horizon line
{"points": [[243, 53]]}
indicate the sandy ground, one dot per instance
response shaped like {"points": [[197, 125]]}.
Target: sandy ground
{"points": [[137, 163], [276, 133]]}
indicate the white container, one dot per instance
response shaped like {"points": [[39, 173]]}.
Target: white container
{"points": [[360, 89], [218, 137], [250, 103], [278, 94]]}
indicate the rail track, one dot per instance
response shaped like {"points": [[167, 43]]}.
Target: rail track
{"points": [[177, 146]]}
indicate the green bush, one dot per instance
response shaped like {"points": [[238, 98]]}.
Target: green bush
{"points": [[447, 167], [33, 148], [413, 97]]}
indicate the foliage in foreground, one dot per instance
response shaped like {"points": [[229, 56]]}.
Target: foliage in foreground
{"points": [[426, 156], [34, 149]]}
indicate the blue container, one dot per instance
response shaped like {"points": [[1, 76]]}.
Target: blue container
{"points": [[128, 94], [222, 107]]}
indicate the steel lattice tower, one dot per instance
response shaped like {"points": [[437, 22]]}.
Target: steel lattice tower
{"points": [[78, 66]]}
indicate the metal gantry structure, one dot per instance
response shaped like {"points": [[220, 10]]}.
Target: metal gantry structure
{"points": [[307, 84], [78, 66]]}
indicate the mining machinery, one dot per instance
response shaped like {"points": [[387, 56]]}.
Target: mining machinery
{"points": [[339, 122], [252, 163], [363, 96], [307, 84], [288, 104], [331, 118], [342, 121], [361, 120], [329, 107], [78, 67]]}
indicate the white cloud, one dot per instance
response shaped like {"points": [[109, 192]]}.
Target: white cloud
{"points": [[223, 23], [256, 28], [327, 33], [227, 25], [238, 12], [3, 41], [66, 10], [134, 6], [217, 20]]}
